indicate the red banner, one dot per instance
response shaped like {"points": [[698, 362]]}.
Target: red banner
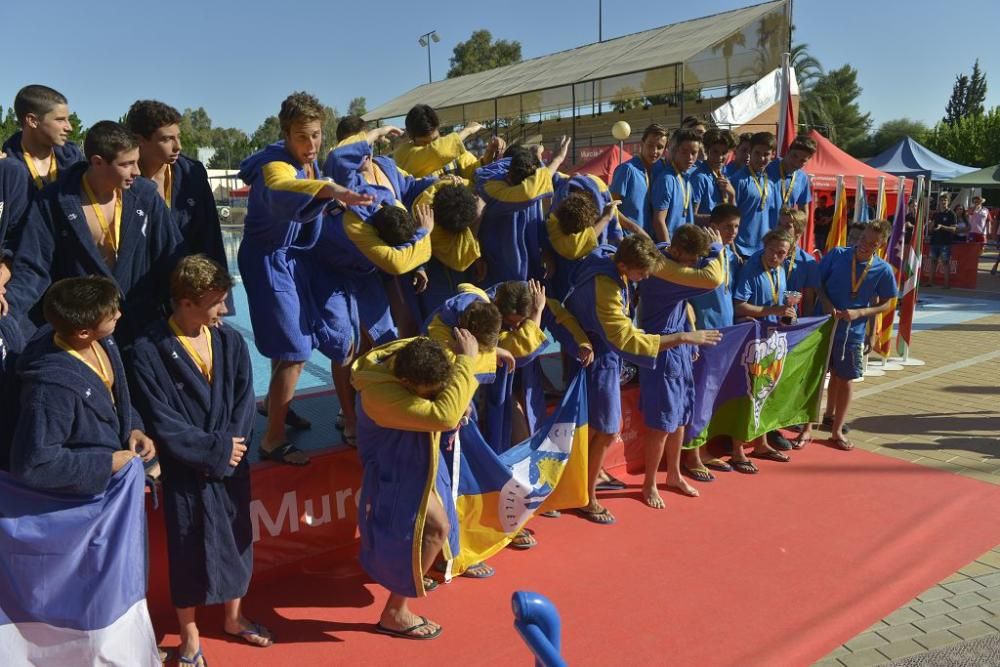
{"points": [[964, 266]]}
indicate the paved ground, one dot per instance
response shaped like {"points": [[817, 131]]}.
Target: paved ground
{"points": [[947, 419]]}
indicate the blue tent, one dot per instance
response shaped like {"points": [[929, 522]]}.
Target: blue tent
{"points": [[908, 158]]}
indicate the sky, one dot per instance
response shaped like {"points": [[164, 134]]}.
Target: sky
{"points": [[240, 59]]}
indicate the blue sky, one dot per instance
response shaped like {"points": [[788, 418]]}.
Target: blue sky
{"points": [[239, 59]]}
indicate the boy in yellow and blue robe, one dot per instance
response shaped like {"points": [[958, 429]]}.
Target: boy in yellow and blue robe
{"points": [[409, 392], [427, 153]]}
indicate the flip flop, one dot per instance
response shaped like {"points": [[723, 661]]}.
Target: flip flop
{"points": [[778, 441], [801, 441], [430, 584], [279, 454], [350, 439], [745, 467], [338, 421], [410, 632], [610, 484], [718, 465], [254, 629], [842, 444], [193, 660], [698, 474], [292, 418], [604, 517], [551, 514], [528, 540], [828, 423], [777, 457], [475, 571]]}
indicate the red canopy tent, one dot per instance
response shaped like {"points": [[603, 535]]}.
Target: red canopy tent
{"points": [[604, 163], [829, 162]]}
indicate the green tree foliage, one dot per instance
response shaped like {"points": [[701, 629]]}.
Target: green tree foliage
{"points": [[968, 96], [329, 131], [972, 140], [975, 100], [357, 107], [196, 130], [267, 133], [833, 111], [480, 53], [8, 124], [78, 133], [888, 134], [231, 146]]}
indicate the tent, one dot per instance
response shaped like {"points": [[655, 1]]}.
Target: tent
{"points": [[984, 178], [829, 162], [604, 164], [908, 158]]}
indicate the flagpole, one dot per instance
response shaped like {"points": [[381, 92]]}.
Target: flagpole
{"points": [[785, 100], [885, 351], [914, 261], [859, 199], [880, 199]]}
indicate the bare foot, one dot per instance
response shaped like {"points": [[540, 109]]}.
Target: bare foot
{"points": [[250, 632], [652, 498], [681, 486]]}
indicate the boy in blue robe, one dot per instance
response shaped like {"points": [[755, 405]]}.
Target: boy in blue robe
{"points": [[194, 390], [671, 196], [454, 242], [666, 397], [711, 186], [631, 181], [41, 146], [180, 181], [427, 153], [760, 294], [599, 300], [287, 199], [510, 231], [788, 178], [409, 392], [855, 285], [100, 218], [755, 195], [76, 426]]}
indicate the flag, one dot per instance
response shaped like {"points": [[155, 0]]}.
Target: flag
{"points": [[495, 495], [882, 340], [760, 377], [786, 124], [73, 575], [910, 273], [837, 235]]}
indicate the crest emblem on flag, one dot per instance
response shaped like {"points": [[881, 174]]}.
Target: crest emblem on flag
{"points": [[764, 360], [534, 477]]}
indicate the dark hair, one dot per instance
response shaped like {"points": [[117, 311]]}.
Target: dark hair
{"points": [[197, 275], [300, 107], [804, 144], [37, 100], [654, 128], [423, 361], [513, 297], [483, 321], [763, 139], [421, 121], [723, 212], [691, 121], [348, 126], [74, 304], [107, 139], [576, 213], [394, 225], [777, 235], [524, 163], [744, 138], [682, 135], [147, 116], [454, 208], [690, 239], [719, 136], [638, 252]]}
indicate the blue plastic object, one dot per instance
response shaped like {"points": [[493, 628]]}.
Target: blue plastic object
{"points": [[536, 619]]}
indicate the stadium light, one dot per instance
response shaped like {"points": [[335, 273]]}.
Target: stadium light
{"points": [[425, 40]]}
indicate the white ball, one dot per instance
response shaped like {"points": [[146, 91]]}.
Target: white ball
{"points": [[621, 130]]}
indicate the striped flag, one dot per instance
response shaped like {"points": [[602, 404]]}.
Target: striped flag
{"points": [[882, 344], [838, 227], [910, 274], [786, 123]]}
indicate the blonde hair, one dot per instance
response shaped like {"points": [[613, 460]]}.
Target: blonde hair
{"points": [[798, 218], [197, 275]]}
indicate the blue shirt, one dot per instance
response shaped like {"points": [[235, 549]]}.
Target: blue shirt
{"points": [[631, 182], [835, 277], [706, 189], [804, 274], [755, 219], [669, 193], [714, 310], [730, 169], [759, 287], [791, 191]]}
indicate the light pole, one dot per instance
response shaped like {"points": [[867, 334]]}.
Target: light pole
{"points": [[425, 40]]}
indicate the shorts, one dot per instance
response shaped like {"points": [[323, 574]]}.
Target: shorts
{"points": [[942, 252], [977, 238], [604, 394], [666, 393], [850, 365]]}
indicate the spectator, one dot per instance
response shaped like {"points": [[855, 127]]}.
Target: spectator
{"points": [[980, 221], [942, 230]]}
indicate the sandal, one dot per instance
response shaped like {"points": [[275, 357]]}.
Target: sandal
{"points": [[338, 421], [801, 441], [610, 483], [745, 467], [430, 584], [254, 630], [718, 465], [524, 540], [828, 424], [194, 660], [350, 438], [410, 632], [292, 418], [475, 571], [603, 517], [551, 514], [771, 455], [280, 454], [699, 474], [842, 444]]}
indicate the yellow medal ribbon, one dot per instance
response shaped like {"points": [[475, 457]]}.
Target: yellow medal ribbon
{"points": [[112, 235], [855, 282], [685, 194], [773, 280], [724, 258], [785, 194], [761, 187], [35, 176], [791, 262], [204, 365], [100, 370], [168, 185]]}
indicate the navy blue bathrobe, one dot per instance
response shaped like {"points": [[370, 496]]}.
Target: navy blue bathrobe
{"points": [[206, 501], [192, 206], [68, 427], [16, 192], [66, 155], [57, 244]]}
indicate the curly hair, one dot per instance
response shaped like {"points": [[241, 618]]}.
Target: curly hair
{"points": [[145, 117], [197, 275], [300, 107], [691, 240], [638, 252], [423, 362], [394, 225], [483, 320], [513, 298], [575, 213], [454, 208]]}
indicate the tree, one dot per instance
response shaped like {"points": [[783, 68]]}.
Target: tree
{"points": [[231, 146], [972, 140], [329, 130], [77, 134], [968, 96], [196, 129], [838, 116], [357, 107], [626, 99], [956, 108], [480, 53], [975, 99], [267, 133], [9, 125], [889, 133]]}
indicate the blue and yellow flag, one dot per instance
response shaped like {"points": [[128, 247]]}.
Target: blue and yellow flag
{"points": [[496, 495]]}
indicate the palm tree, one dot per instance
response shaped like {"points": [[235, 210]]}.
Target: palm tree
{"points": [[808, 71]]}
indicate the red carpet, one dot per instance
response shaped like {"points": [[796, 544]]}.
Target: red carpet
{"points": [[774, 569]]}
